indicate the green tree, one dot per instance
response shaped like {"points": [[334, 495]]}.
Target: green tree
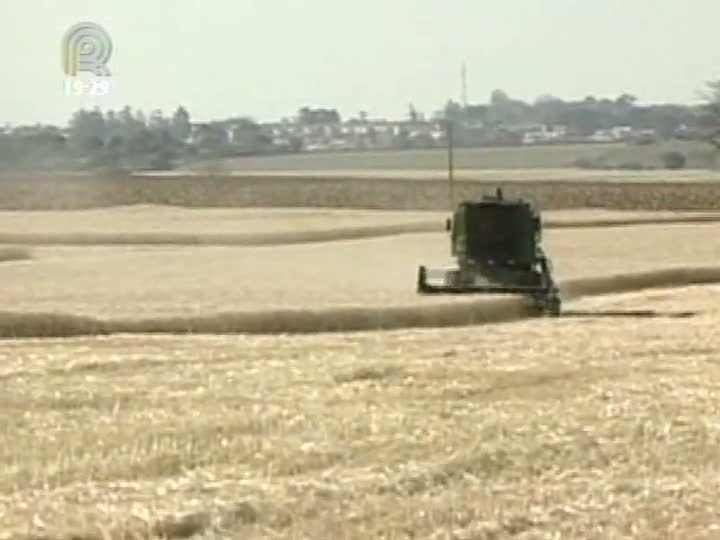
{"points": [[157, 121], [180, 126], [505, 110], [86, 124], [87, 132], [128, 124]]}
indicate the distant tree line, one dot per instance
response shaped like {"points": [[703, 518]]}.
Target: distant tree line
{"points": [[586, 116], [128, 140], [115, 140]]}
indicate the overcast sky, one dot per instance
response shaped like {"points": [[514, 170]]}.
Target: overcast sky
{"points": [[266, 58]]}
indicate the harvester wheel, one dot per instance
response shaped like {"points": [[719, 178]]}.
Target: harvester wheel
{"points": [[552, 307], [548, 306]]}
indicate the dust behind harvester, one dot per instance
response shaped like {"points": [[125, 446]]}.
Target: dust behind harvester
{"points": [[497, 245]]}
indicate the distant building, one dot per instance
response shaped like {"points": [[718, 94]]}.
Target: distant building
{"points": [[543, 134]]}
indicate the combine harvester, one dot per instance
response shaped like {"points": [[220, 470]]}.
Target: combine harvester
{"points": [[497, 246]]}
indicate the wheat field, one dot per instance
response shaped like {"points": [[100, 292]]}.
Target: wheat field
{"points": [[601, 424]]}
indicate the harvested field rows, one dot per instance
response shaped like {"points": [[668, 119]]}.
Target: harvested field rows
{"points": [[310, 320], [350, 282], [165, 226]]}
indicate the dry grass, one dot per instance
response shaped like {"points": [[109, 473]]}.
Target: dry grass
{"points": [[544, 429]]}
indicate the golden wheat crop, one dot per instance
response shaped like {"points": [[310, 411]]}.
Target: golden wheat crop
{"points": [[601, 424], [577, 428]]}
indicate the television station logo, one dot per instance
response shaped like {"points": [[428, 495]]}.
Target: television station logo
{"points": [[86, 48]]}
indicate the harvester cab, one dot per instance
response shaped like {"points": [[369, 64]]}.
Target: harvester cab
{"points": [[497, 246]]}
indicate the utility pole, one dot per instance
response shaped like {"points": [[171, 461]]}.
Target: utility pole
{"points": [[451, 174], [463, 79]]}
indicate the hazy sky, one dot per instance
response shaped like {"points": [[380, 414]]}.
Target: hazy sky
{"points": [[266, 58]]}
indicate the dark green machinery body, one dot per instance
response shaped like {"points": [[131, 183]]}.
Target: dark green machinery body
{"points": [[497, 245]]}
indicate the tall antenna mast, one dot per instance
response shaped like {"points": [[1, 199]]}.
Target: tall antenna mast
{"points": [[463, 78]]}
